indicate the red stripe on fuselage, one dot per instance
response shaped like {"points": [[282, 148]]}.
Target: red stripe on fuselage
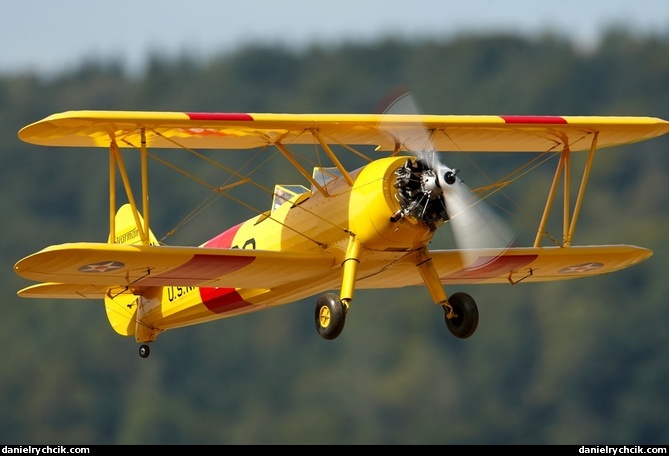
{"points": [[534, 119], [221, 300], [219, 116], [224, 240]]}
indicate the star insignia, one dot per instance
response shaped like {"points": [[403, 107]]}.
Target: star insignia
{"points": [[102, 266], [582, 268]]}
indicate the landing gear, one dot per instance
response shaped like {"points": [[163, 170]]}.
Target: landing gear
{"points": [[461, 314], [331, 309], [144, 351], [330, 316]]}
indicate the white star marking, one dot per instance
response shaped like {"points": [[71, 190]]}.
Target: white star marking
{"points": [[582, 268], [102, 266]]}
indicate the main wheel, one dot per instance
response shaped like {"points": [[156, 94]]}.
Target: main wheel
{"points": [[144, 351], [330, 316], [466, 317]]}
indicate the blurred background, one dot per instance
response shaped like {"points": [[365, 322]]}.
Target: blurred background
{"points": [[577, 362]]}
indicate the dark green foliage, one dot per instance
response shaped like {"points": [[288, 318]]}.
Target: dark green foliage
{"points": [[582, 362]]}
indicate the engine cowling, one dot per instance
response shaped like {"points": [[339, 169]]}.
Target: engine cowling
{"points": [[393, 207]]}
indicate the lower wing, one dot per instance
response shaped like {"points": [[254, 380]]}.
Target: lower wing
{"points": [[70, 270], [513, 265], [93, 270]]}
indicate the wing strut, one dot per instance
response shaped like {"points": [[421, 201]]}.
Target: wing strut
{"points": [[116, 161], [568, 219], [145, 188], [333, 157], [112, 192], [286, 153]]}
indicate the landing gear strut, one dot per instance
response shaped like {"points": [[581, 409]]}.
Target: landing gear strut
{"points": [[331, 309]]}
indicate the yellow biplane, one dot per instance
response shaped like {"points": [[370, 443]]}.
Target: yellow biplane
{"points": [[367, 228]]}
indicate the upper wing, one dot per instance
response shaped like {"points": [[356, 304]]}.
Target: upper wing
{"points": [[100, 265], [241, 130]]}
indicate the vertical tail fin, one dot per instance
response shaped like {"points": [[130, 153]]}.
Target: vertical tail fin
{"points": [[127, 231]]}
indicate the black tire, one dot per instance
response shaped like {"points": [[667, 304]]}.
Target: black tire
{"points": [[466, 320], [144, 351], [330, 316]]}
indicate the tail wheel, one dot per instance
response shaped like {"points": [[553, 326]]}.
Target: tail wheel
{"points": [[466, 315], [330, 316], [144, 351]]}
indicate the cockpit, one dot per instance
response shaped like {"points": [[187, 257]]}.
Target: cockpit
{"points": [[285, 193]]}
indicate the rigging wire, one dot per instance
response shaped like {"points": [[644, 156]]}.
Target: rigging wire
{"points": [[222, 190], [485, 192]]}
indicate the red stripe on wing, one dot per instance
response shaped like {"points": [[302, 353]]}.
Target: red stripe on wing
{"points": [[489, 267], [534, 119], [219, 116], [192, 272]]}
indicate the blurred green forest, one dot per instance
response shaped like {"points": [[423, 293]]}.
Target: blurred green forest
{"points": [[577, 362]]}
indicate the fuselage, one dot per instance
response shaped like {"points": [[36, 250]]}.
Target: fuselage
{"points": [[308, 222]]}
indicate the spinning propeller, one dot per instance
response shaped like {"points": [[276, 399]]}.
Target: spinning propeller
{"points": [[432, 192]]}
